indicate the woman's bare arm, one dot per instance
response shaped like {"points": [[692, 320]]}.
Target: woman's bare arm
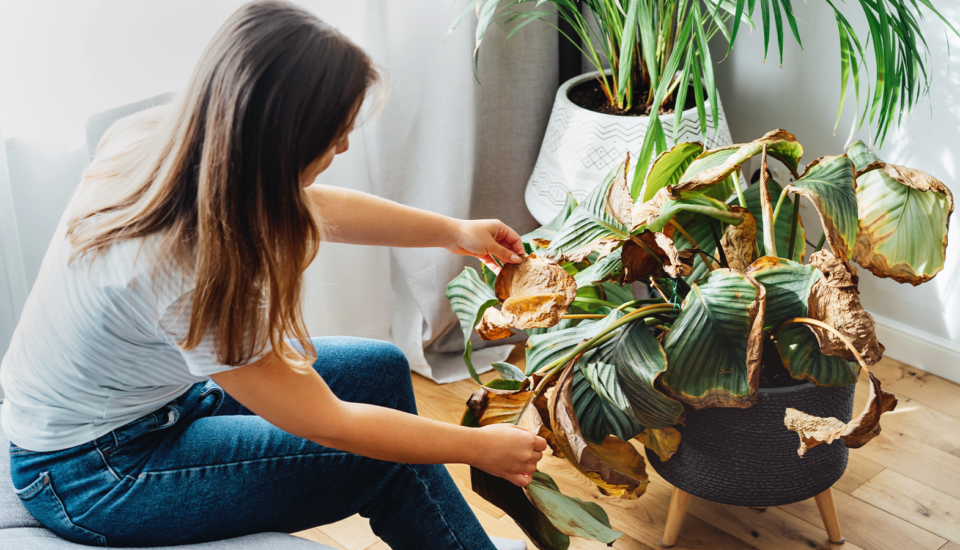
{"points": [[302, 404], [360, 218]]}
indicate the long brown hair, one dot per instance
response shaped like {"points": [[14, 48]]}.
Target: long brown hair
{"points": [[219, 175]]}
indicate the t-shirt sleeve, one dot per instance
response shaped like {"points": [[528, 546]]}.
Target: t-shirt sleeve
{"points": [[201, 360]]}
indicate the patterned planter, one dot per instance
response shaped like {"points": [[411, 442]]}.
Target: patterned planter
{"points": [[746, 457], [581, 146]]}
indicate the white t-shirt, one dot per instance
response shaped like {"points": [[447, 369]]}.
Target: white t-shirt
{"points": [[96, 346]]}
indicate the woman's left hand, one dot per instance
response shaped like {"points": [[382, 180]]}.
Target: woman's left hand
{"points": [[487, 239]]}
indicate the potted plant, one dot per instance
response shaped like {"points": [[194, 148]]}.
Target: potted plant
{"points": [[743, 344], [642, 50]]}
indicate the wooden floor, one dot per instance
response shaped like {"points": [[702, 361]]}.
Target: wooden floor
{"points": [[900, 492]]}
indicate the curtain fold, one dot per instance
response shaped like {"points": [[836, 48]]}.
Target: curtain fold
{"points": [[13, 279], [446, 143]]}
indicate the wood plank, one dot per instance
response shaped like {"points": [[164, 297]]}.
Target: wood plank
{"points": [[773, 529], [316, 535], [643, 519], [868, 526], [915, 502], [916, 460], [950, 546], [380, 545], [859, 470], [938, 393], [352, 533]]}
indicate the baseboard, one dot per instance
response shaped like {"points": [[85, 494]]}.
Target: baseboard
{"points": [[918, 348]]}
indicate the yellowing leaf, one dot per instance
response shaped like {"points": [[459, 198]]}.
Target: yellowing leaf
{"points": [[615, 467], [663, 442], [638, 264], [500, 406], [493, 325]]}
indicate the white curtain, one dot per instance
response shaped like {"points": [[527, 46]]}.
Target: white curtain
{"points": [[442, 142], [448, 144]]}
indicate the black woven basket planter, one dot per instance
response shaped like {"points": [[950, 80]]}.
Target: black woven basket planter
{"points": [[747, 457]]}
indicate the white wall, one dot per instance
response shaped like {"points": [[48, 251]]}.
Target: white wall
{"points": [[919, 325], [62, 61]]}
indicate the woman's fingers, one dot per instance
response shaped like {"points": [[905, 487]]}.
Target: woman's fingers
{"points": [[520, 480], [509, 238], [504, 254]]}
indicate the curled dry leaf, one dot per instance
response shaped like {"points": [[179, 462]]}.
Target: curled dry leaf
{"points": [[534, 293], [493, 325], [619, 200], [496, 406], [646, 212], [638, 264], [533, 417], [780, 143], [663, 442], [814, 430], [903, 228], [615, 466], [739, 241], [835, 300]]}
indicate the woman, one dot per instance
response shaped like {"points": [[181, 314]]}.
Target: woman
{"points": [[152, 396]]}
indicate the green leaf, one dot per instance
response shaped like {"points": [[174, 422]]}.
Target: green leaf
{"points": [[570, 515], [543, 349], [509, 372], [904, 216], [714, 346], [713, 166], [623, 372], [549, 231], [469, 297], [782, 226], [591, 224], [699, 204], [800, 352], [828, 184], [669, 166], [599, 418], [601, 270], [513, 501], [788, 287], [698, 226]]}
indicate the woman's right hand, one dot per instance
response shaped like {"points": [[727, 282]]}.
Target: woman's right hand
{"points": [[509, 452]]}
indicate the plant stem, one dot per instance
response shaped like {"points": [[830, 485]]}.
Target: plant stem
{"points": [[720, 250], [743, 201], [693, 243], [595, 301], [583, 316], [776, 211], [793, 226], [823, 239], [646, 311]]}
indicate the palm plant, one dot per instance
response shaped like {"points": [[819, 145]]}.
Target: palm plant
{"points": [[727, 265], [652, 46]]}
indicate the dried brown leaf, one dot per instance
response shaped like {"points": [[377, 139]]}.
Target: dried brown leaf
{"points": [[638, 264], [492, 406], [534, 292], [834, 299], [493, 325], [739, 241], [645, 212], [619, 200], [814, 430], [615, 466]]}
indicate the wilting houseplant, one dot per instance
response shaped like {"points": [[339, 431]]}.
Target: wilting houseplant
{"points": [[658, 57], [727, 267]]}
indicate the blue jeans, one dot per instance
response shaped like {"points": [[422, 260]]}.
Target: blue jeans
{"points": [[203, 468]]}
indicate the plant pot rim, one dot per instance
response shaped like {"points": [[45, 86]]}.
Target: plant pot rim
{"points": [[564, 99]]}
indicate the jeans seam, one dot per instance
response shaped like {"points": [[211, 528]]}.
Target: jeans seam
{"points": [[106, 464], [242, 462], [426, 490]]}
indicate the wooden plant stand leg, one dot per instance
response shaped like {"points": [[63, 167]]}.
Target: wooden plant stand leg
{"points": [[828, 513], [678, 509]]}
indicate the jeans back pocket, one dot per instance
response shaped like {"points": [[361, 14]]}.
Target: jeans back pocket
{"points": [[43, 503]]}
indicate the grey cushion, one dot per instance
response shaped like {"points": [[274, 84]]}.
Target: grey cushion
{"points": [[20, 531], [37, 538], [99, 123]]}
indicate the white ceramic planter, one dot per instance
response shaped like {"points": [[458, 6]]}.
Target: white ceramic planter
{"points": [[581, 146]]}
